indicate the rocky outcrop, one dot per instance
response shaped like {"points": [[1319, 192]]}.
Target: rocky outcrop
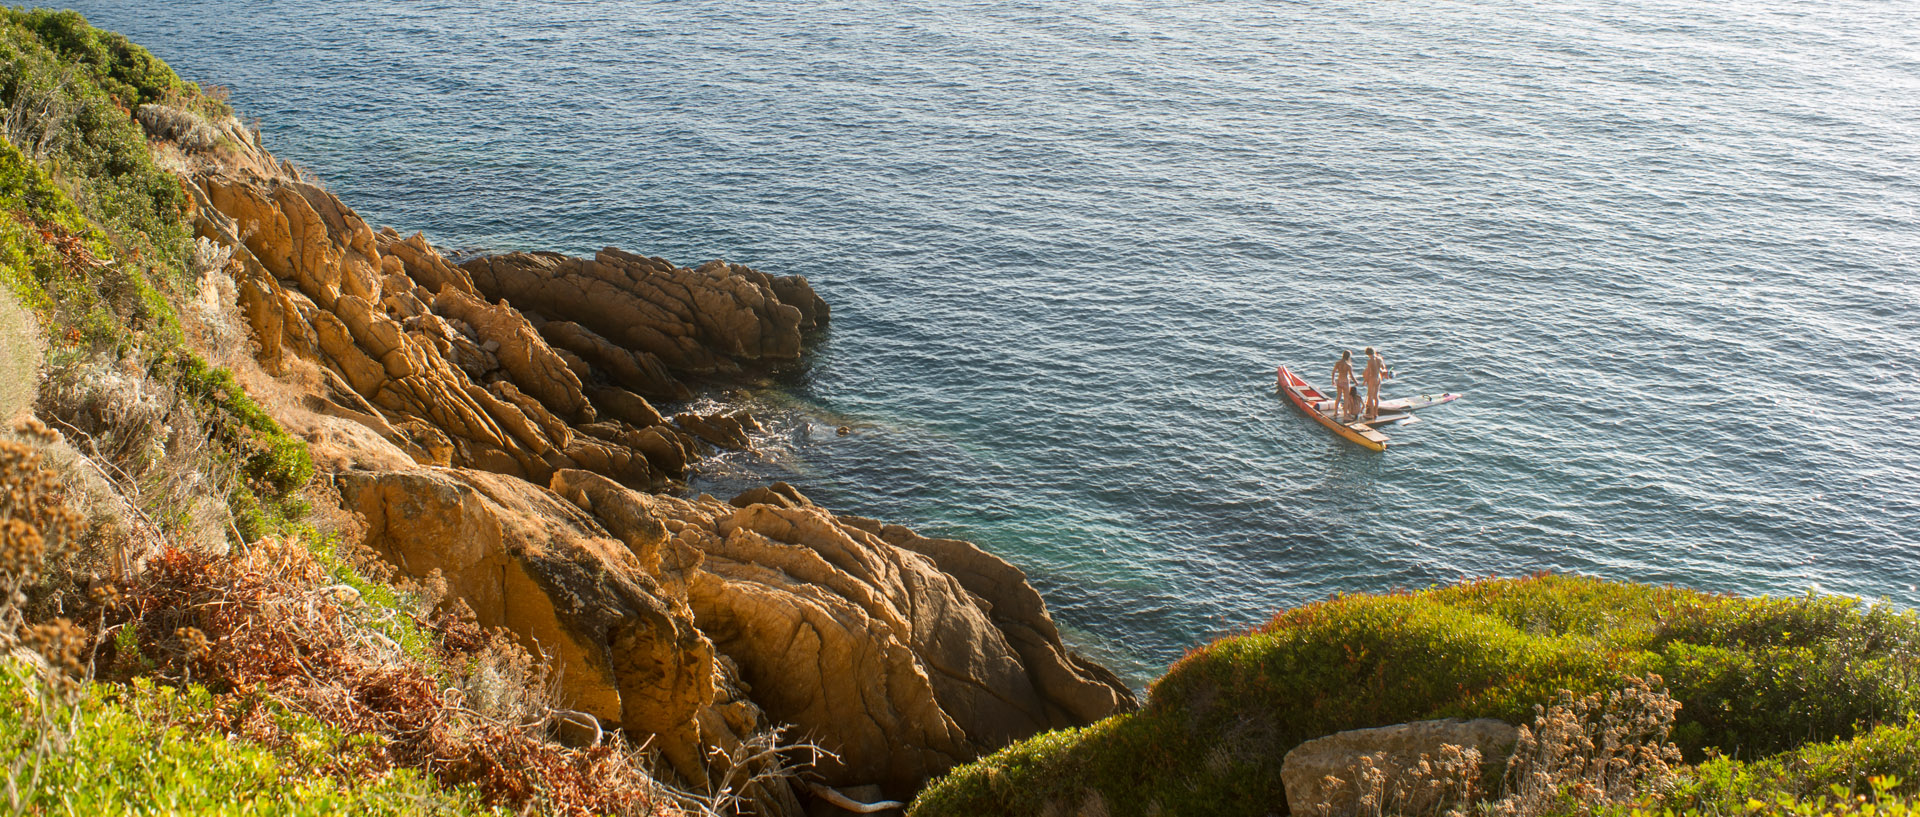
{"points": [[637, 371], [850, 629], [527, 359], [688, 321], [627, 652], [1323, 776], [1072, 689], [475, 363], [648, 604], [494, 424]]}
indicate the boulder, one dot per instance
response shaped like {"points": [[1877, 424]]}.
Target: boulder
{"points": [[639, 371], [422, 263], [625, 406], [1074, 689], [627, 653], [779, 495], [871, 648], [694, 321], [533, 365], [721, 429], [1320, 775], [668, 448]]}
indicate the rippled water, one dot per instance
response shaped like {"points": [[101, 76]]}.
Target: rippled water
{"points": [[1667, 248]]}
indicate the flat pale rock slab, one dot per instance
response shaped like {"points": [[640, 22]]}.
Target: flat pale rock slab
{"points": [[1305, 770]]}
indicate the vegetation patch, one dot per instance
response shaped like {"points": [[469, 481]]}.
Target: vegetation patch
{"points": [[90, 225], [134, 749], [72, 91], [1754, 678], [260, 672], [1875, 764], [272, 652]]}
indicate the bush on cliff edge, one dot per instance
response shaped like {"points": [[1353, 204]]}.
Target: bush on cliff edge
{"points": [[96, 239], [1755, 677]]}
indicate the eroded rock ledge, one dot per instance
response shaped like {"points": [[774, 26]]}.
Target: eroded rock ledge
{"points": [[699, 622], [455, 373], [494, 424]]}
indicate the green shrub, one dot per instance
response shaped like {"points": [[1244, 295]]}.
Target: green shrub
{"points": [[129, 73], [78, 87], [1727, 784], [1755, 677], [119, 751], [275, 462], [87, 218]]}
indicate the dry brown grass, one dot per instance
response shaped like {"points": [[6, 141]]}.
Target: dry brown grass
{"points": [[184, 127], [211, 316], [37, 525], [1437, 785], [266, 633], [281, 647], [141, 435], [1581, 755]]}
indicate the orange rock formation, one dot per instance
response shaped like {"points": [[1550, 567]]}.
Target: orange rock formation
{"points": [[492, 422]]}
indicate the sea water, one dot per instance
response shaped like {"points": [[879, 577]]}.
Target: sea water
{"points": [[1666, 248]]}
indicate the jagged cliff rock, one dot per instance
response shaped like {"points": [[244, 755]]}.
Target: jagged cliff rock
{"points": [[690, 321], [846, 628], [413, 336], [493, 423], [603, 607]]}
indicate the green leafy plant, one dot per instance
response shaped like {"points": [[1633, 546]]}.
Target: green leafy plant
{"points": [[1754, 676]]}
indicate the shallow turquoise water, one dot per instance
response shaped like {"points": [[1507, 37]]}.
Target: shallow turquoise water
{"points": [[1667, 248]]}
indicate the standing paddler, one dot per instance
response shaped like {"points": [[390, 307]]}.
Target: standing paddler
{"points": [[1375, 373], [1343, 386]]}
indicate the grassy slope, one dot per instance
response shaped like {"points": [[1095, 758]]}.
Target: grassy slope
{"points": [[127, 757], [98, 240], [1756, 677], [94, 243]]}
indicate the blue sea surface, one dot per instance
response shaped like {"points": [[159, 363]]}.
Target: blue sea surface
{"points": [[1669, 249]]}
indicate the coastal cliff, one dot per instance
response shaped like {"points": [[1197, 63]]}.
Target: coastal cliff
{"points": [[413, 470], [300, 516], [493, 422]]}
